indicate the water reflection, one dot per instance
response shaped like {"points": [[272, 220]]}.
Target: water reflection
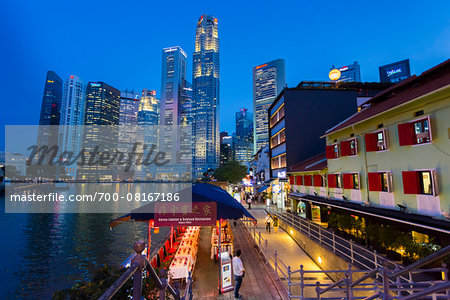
{"points": [[44, 252]]}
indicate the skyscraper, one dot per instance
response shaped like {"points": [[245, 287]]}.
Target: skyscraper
{"points": [[173, 80], [348, 73], [128, 121], [72, 118], [205, 85], [268, 81], [243, 148], [50, 110], [148, 115], [102, 108]]}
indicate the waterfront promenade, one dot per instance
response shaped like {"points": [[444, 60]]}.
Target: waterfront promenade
{"points": [[258, 282], [290, 254]]}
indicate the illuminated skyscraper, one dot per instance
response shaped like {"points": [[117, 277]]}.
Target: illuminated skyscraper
{"points": [[268, 81], [102, 108], [243, 148], [50, 110], [205, 85], [72, 118], [173, 79]]}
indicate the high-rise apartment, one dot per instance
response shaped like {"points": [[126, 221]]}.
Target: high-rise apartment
{"points": [[205, 85], [269, 80]]}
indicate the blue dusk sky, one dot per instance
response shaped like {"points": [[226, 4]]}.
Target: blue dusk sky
{"points": [[120, 43]]}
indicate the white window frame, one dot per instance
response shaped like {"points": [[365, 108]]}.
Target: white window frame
{"points": [[434, 183], [390, 188], [429, 126], [356, 146], [385, 139]]}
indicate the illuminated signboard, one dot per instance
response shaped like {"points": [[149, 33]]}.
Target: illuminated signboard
{"points": [[345, 68], [153, 93], [393, 71], [95, 84], [261, 66], [334, 74]]}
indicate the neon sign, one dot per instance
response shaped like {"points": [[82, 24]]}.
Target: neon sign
{"points": [[95, 84], [343, 69], [261, 66], [334, 74], [393, 71]]}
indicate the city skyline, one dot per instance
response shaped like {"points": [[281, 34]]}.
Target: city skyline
{"points": [[141, 69]]}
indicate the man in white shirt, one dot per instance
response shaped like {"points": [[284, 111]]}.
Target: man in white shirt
{"points": [[238, 271]]}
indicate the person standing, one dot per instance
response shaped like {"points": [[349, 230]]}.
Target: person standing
{"points": [[268, 221], [249, 201], [238, 271]]}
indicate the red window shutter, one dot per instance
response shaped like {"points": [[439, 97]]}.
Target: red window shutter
{"points": [[345, 148], [299, 179], [347, 181], [317, 180], [329, 152], [371, 142], [308, 180], [410, 182], [406, 134], [332, 180], [291, 180], [374, 182]]}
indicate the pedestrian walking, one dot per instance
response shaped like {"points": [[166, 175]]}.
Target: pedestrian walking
{"points": [[249, 201], [268, 220], [239, 272]]}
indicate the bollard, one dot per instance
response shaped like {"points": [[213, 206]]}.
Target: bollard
{"points": [[140, 260]]}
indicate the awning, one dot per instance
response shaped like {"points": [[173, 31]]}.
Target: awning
{"points": [[263, 188], [227, 206]]}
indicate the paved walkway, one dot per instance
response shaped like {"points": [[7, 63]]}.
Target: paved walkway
{"points": [[291, 255], [256, 284]]}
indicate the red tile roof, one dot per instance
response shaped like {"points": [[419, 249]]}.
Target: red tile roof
{"points": [[403, 92], [315, 163]]}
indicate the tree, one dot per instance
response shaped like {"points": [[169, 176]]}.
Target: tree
{"points": [[232, 171]]}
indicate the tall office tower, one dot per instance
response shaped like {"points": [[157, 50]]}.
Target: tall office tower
{"points": [[72, 118], [50, 111], [269, 80], [148, 115], [226, 151], [348, 73], [128, 120], [243, 149], [173, 77], [102, 108], [205, 85]]}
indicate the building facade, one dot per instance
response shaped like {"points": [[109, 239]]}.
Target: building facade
{"points": [[50, 111], [102, 108], [386, 171], [395, 72], [72, 118], [243, 147], [173, 80], [269, 80], [205, 86]]}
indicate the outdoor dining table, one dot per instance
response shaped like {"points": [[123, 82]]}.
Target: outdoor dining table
{"points": [[180, 267]]}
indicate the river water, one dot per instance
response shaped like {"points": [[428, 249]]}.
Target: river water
{"points": [[41, 253]]}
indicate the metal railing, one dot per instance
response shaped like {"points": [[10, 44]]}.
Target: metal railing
{"points": [[383, 281], [139, 264]]}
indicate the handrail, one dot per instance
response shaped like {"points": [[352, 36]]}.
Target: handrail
{"points": [[430, 258], [434, 289], [115, 287]]}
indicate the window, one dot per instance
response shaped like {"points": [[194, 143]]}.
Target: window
{"points": [[415, 132], [277, 116], [278, 161], [308, 180], [349, 147], [420, 182], [380, 182], [334, 181], [278, 138], [376, 141], [351, 181], [318, 180], [332, 151]]}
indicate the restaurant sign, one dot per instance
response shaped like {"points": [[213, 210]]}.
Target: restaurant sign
{"points": [[185, 214]]}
